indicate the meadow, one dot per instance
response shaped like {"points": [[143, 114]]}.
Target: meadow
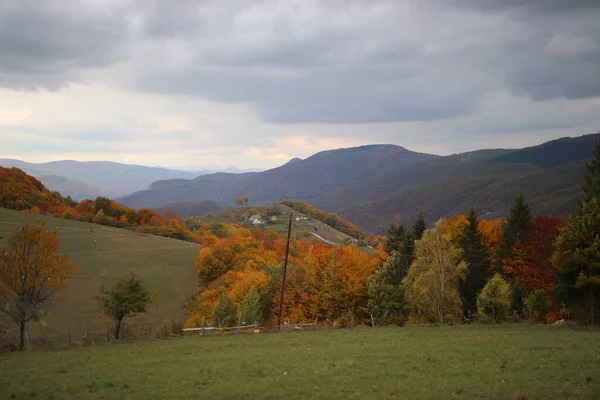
{"points": [[513, 361], [105, 254]]}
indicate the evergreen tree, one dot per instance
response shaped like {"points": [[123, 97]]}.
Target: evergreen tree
{"points": [[476, 255], [591, 181], [419, 227], [577, 248], [395, 237], [515, 228], [577, 255], [386, 293]]}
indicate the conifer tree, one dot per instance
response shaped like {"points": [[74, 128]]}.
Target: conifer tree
{"points": [[577, 248], [515, 228], [591, 180], [418, 227], [476, 255], [395, 237]]}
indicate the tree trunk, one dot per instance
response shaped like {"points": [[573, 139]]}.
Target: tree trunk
{"points": [[22, 335], [118, 328]]}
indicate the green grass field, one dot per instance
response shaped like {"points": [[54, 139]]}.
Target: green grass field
{"points": [[462, 362], [166, 265]]}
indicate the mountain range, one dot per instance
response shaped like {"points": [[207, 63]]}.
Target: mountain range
{"points": [[374, 185], [371, 186], [90, 179]]}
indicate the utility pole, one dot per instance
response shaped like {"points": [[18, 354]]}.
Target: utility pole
{"points": [[285, 263]]}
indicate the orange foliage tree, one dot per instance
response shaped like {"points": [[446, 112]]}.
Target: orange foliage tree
{"points": [[326, 282], [31, 272], [531, 265]]}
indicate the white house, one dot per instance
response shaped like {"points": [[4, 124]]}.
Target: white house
{"points": [[256, 220]]}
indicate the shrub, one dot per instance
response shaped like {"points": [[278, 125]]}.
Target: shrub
{"points": [[537, 305], [169, 328], [493, 303]]}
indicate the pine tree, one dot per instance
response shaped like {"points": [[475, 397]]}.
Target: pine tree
{"points": [[419, 227], [386, 293], [515, 229], [395, 237], [577, 255], [577, 248], [591, 181], [476, 255]]}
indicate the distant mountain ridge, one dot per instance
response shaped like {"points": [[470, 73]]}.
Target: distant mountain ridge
{"points": [[89, 179], [374, 185], [304, 180]]}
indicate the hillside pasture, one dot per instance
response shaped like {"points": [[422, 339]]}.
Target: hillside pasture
{"points": [[105, 253], [416, 362], [300, 229]]}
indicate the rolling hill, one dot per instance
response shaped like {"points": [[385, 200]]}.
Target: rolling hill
{"points": [[166, 265]]}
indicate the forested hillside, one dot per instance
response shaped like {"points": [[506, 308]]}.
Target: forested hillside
{"points": [[372, 185]]}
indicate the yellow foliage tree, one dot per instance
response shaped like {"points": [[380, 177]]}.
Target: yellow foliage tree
{"points": [[31, 272], [433, 278]]}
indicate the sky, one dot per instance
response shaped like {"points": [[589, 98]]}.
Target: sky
{"points": [[255, 83]]}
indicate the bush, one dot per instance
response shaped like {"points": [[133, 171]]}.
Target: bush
{"points": [[537, 305], [493, 303], [169, 328]]}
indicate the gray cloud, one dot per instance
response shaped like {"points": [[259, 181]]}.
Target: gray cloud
{"points": [[47, 44], [345, 61]]}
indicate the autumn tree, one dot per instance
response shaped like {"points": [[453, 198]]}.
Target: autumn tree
{"points": [[493, 303], [224, 312], [531, 264], [126, 297], [475, 254], [514, 229], [433, 278], [32, 271], [250, 310]]}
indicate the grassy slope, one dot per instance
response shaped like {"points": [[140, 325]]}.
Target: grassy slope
{"points": [[166, 265], [298, 227], [499, 362]]}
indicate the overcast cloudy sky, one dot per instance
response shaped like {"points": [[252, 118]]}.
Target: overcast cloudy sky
{"points": [[255, 83]]}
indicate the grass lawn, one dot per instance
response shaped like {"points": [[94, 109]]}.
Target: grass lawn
{"points": [[463, 362], [166, 266]]}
